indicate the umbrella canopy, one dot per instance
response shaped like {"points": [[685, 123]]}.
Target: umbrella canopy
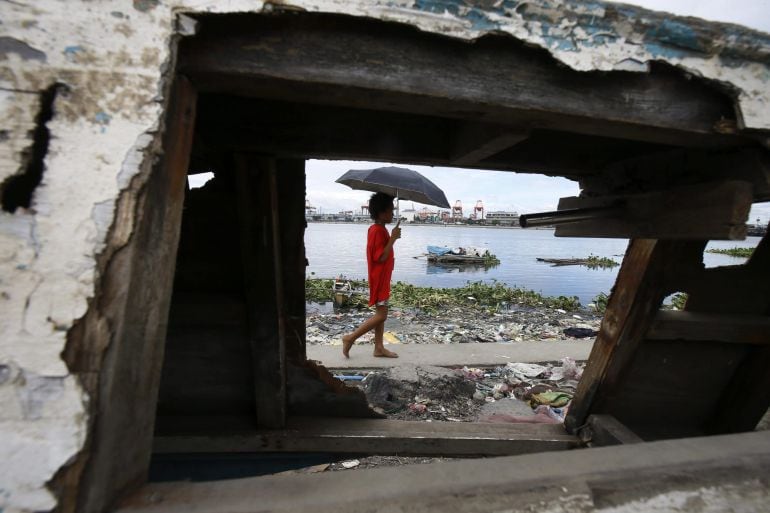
{"points": [[398, 182]]}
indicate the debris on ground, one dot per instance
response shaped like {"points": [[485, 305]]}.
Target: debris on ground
{"points": [[454, 325], [516, 392], [385, 461]]}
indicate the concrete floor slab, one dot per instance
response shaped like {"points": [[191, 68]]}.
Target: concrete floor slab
{"points": [[711, 474], [452, 355]]}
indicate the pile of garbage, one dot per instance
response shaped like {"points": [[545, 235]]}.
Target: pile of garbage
{"points": [[467, 251], [547, 389], [456, 325], [515, 393]]}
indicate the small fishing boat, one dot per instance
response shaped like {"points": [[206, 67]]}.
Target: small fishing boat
{"points": [[445, 255]]}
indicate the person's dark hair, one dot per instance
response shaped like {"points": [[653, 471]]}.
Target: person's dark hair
{"points": [[379, 202]]}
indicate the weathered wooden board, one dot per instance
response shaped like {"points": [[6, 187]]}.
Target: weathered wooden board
{"points": [[348, 62], [475, 142], [638, 293], [375, 436], [263, 284], [692, 326], [603, 430], [671, 388], [116, 349], [706, 211], [291, 192], [746, 398]]}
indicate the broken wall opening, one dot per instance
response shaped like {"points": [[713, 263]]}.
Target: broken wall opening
{"points": [[16, 191], [335, 87]]}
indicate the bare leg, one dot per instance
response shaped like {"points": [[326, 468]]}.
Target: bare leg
{"points": [[379, 348], [369, 324]]}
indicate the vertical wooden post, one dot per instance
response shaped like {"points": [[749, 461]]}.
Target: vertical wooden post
{"points": [[291, 191], [747, 396], [260, 234], [639, 290], [280, 298], [117, 348]]}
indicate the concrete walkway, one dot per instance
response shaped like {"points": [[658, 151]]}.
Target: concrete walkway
{"points": [[452, 355]]}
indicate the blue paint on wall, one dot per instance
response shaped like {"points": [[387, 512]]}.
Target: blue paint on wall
{"points": [[103, 119], [676, 34], [73, 50], [438, 6]]}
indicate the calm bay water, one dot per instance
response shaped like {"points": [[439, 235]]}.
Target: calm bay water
{"points": [[334, 249]]}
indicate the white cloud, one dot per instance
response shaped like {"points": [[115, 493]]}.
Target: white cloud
{"points": [[498, 190]]}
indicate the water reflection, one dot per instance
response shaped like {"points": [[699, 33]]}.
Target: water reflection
{"points": [[470, 269]]}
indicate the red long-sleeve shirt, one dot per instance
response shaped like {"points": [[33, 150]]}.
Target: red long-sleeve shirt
{"points": [[379, 272]]}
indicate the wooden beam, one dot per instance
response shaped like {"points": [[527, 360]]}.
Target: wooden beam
{"points": [[747, 397], [715, 211], [259, 232], [375, 436], [731, 328], [475, 142], [604, 430], [635, 299], [346, 62], [316, 131], [116, 349], [655, 169], [291, 192]]}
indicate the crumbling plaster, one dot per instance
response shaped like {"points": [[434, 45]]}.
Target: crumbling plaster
{"points": [[112, 59]]}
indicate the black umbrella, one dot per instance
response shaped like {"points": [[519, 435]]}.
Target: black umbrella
{"points": [[398, 182]]}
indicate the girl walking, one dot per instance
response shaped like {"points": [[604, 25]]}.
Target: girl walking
{"points": [[379, 258]]}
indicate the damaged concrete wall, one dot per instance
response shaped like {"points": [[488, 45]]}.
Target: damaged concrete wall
{"points": [[82, 95]]}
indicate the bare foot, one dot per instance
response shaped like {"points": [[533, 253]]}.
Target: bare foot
{"points": [[347, 343], [384, 353]]}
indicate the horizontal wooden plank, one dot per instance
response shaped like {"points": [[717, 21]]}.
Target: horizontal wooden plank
{"points": [[603, 430], [375, 436], [475, 142], [368, 64], [734, 328], [716, 211]]}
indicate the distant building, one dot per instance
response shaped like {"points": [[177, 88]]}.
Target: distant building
{"points": [[503, 218], [408, 214]]}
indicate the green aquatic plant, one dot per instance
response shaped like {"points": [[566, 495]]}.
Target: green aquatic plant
{"points": [[488, 296], [600, 302], [490, 260], [678, 300], [733, 252], [597, 262]]}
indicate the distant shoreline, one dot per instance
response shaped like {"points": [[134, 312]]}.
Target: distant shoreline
{"points": [[443, 225]]}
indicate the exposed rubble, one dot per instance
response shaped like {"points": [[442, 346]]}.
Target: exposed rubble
{"points": [[455, 325], [516, 392]]}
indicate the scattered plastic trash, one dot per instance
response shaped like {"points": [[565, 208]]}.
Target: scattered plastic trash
{"points": [[453, 325], [568, 370], [350, 463], [390, 338], [580, 332], [418, 407], [350, 378], [523, 371], [472, 373], [556, 399]]}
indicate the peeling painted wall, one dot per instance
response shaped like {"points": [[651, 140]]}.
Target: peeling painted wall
{"points": [[111, 61]]}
